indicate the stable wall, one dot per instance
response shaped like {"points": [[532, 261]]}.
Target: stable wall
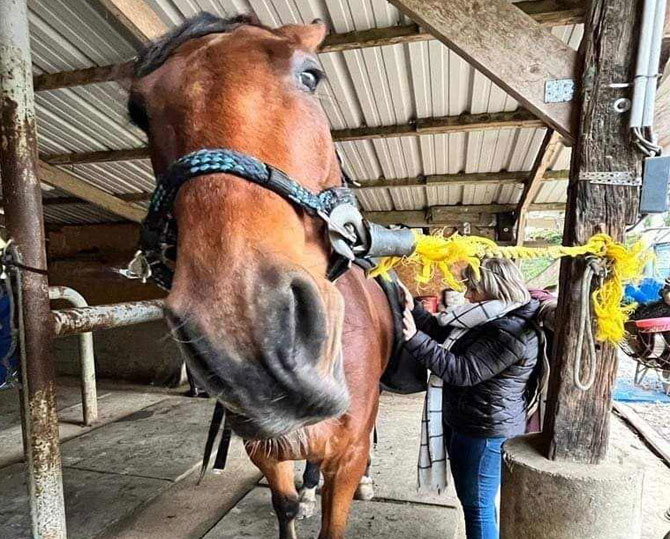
{"points": [[84, 258]]}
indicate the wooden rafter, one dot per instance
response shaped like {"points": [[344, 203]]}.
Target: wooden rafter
{"points": [[106, 156], [544, 12], [83, 190], [489, 178], [548, 150], [505, 44], [437, 215], [136, 16], [68, 201], [476, 178], [442, 125], [428, 126]]}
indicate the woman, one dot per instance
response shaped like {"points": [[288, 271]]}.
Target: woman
{"points": [[450, 299], [483, 357]]}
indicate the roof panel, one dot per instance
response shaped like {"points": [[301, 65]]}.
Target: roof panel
{"points": [[375, 199], [408, 198], [71, 34], [371, 87]]}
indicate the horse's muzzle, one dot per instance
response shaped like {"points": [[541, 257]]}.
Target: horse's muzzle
{"points": [[286, 375]]}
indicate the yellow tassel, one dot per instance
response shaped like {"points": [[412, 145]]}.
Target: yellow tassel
{"points": [[450, 255]]}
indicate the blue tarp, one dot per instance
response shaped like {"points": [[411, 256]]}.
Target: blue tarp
{"points": [[646, 292], [626, 391]]}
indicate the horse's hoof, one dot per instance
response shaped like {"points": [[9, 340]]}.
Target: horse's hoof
{"points": [[306, 503], [365, 491]]}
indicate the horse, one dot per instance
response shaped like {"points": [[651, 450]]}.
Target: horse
{"points": [[295, 359]]}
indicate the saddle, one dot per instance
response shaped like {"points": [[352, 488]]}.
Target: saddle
{"points": [[403, 373]]}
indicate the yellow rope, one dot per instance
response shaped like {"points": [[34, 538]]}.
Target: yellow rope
{"points": [[449, 255]]}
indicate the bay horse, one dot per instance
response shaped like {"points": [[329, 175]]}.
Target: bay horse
{"points": [[295, 359]]}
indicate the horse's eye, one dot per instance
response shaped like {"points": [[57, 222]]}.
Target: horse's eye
{"points": [[310, 79]]}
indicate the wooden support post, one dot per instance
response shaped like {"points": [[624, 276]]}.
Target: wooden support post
{"points": [[577, 422], [550, 147]]}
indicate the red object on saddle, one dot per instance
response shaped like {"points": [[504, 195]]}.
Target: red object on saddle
{"points": [[429, 303], [653, 325]]}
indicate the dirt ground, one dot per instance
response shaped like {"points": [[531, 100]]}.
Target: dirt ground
{"points": [[657, 414]]}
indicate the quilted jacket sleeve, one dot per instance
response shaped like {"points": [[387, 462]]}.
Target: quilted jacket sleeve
{"points": [[486, 357], [427, 323]]}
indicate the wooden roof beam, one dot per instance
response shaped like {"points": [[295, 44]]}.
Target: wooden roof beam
{"points": [[544, 12], [135, 16], [487, 178], [106, 156], [427, 126], [545, 157], [85, 191], [508, 46], [437, 215], [496, 178]]}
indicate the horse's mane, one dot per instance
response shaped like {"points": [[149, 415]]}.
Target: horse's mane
{"points": [[154, 54]]}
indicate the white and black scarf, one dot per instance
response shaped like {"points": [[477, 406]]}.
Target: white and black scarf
{"points": [[432, 469]]}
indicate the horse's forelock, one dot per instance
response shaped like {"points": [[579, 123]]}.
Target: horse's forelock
{"points": [[155, 53]]}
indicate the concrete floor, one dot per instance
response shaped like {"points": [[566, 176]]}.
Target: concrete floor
{"points": [[133, 475]]}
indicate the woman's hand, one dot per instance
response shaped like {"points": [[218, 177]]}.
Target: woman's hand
{"points": [[409, 327], [407, 296]]}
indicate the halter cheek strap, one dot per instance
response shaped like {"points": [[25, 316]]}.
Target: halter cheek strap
{"points": [[158, 237]]}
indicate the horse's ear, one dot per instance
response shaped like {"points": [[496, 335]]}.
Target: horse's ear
{"points": [[308, 36]]}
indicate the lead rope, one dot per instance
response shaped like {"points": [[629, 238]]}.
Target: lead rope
{"points": [[592, 268]]}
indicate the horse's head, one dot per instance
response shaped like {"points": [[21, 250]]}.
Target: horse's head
{"points": [[250, 301]]}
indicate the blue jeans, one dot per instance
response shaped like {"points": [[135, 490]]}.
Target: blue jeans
{"points": [[475, 465]]}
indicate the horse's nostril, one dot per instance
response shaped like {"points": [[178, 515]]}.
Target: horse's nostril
{"points": [[309, 319]]}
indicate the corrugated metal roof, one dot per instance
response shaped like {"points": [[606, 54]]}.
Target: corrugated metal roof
{"points": [[376, 86]]}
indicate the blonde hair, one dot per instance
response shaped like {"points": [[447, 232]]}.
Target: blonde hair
{"points": [[499, 278]]}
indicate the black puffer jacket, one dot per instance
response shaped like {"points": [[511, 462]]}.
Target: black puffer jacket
{"points": [[486, 372]]}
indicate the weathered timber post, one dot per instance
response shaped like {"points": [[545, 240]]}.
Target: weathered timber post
{"points": [[23, 210], [566, 495], [577, 422]]}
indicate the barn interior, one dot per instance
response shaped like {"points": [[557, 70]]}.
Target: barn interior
{"points": [[431, 142]]}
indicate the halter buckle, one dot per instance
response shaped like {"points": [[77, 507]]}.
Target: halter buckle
{"points": [[138, 268]]}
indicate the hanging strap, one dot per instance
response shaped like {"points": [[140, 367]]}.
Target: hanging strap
{"points": [[218, 419], [224, 446]]}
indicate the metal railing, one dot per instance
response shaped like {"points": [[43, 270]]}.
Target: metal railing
{"points": [[89, 397]]}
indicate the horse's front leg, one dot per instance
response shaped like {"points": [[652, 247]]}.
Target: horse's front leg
{"points": [[342, 476], [284, 494]]}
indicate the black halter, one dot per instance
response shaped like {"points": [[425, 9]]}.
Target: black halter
{"points": [[158, 236]]}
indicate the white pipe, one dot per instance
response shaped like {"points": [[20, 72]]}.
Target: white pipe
{"points": [[654, 64], [642, 64], [89, 395]]}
